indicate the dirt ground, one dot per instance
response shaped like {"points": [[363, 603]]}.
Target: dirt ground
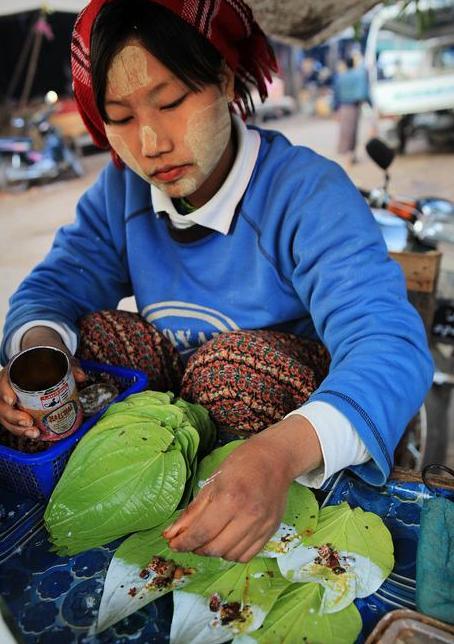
{"points": [[29, 220]]}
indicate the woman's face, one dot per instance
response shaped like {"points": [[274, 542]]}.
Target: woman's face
{"points": [[176, 139]]}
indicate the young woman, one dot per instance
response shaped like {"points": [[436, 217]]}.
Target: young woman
{"points": [[244, 254], [351, 90]]}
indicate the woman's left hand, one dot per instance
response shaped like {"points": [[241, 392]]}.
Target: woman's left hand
{"points": [[241, 507]]}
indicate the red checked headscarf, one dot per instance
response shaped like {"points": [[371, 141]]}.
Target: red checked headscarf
{"points": [[228, 25]]}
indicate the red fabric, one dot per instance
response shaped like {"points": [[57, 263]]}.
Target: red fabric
{"points": [[228, 25]]}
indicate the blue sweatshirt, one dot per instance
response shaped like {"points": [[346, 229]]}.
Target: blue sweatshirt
{"points": [[303, 255]]}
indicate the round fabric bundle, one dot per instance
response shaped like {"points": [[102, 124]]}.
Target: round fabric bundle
{"points": [[126, 339], [249, 380]]}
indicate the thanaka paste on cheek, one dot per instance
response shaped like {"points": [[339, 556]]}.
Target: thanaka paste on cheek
{"points": [[208, 134], [128, 71], [125, 154]]}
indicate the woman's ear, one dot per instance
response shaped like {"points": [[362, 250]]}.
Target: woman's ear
{"points": [[228, 83]]}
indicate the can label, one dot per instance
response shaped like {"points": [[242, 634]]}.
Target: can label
{"points": [[61, 420], [45, 388]]}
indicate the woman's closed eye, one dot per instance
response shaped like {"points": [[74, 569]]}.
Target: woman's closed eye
{"points": [[167, 106], [117, 121], [177, 103]]}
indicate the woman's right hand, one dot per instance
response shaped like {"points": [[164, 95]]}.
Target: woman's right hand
{"points": [[15, 420]]}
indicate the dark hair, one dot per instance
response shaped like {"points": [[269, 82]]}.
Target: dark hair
{"points": [[349, 62], [175, 43]]}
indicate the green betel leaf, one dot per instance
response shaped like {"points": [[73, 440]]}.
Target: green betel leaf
{"points": [[128, 484], [213, 608], [299, 521], [144, 568], [128, 473], [350, 555], [200, 419], [91, 448], [296, 618], [153, 397], [167, 415], [189, 440]]}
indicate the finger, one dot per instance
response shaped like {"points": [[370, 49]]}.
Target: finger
{"points": [[247, 553], [201, 531], [194, 539], [253, 538], [190, 513], [14, 416], [237, 538], [8, 398], [79, 374], [196, 536], [235, 535], [32, 432], [6, 392]]}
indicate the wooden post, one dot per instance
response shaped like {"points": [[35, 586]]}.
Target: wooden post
{"points": [[20, 64], [32, 65]]}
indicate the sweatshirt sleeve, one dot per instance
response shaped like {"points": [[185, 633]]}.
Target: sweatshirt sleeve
{"points": [[85, 269], [381, 367]]}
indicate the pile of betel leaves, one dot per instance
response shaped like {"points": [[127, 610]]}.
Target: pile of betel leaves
{"points": [[133, 472]]}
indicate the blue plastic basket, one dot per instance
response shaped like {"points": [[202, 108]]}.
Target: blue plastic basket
{"points": [[36, 475]]}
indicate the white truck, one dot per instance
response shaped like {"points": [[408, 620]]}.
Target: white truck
{"points": [[411, 71]]}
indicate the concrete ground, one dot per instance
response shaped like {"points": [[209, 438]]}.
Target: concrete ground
{"points": [[29, 220]]}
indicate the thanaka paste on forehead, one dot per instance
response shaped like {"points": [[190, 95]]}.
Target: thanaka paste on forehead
{"points": [[128, 72], [207, 138]]}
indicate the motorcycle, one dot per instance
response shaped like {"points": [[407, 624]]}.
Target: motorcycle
{"points": [[418, 225], [21, 164]]}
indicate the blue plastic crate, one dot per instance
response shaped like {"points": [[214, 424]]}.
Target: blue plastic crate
{"points": [[36, 475]]}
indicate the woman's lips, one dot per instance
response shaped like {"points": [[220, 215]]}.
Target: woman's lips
{"points": [[170, 173]]}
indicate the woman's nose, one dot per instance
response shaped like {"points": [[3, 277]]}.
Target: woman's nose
{"points": [[151, 145]]}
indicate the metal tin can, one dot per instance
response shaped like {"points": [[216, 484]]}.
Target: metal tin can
{"points": [[43, 382]]}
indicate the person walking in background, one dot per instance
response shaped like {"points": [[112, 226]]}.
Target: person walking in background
{"points": [[351, 90]]}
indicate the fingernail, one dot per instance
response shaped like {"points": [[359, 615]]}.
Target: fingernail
{"points": [[9, 401], [32, 433], [26, 423]]}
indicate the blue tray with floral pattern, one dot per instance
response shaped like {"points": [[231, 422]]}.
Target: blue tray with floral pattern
{"points": [[54, 600]]}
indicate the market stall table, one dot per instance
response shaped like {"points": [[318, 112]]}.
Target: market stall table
{"points": [[54, 599]]}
